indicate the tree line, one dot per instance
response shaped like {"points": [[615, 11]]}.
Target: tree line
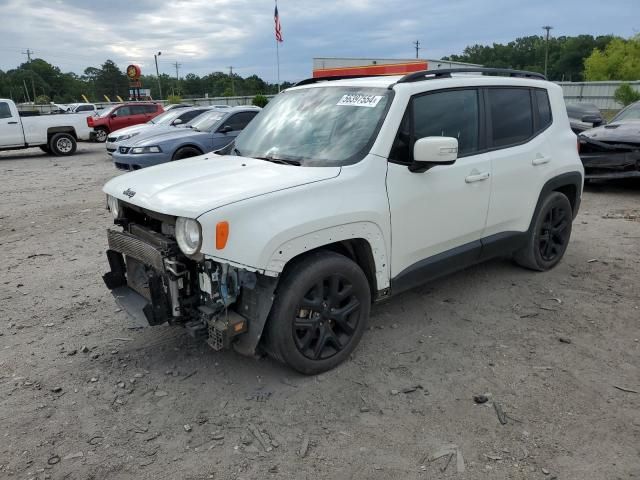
{"points": [[573, 59], [583, 57], [45, 82]]}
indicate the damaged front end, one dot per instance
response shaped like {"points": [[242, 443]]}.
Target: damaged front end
{"points": [[156, 283], [609, 159]]}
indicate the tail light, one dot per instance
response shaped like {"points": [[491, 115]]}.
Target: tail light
{"points": [[90, 121]]}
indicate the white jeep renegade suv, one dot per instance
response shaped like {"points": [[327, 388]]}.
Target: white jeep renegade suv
{"points": [[341, 193]]}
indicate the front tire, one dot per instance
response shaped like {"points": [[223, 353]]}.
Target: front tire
{"points": [[550, 235], [62, 144], [319, 314], [186, 152]]}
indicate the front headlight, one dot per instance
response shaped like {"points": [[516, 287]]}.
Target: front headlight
{"points": [[114, 206], [153, 149], [126, 137], [188, 235]]}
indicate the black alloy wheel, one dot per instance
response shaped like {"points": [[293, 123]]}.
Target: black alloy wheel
{"points": [[327, 318], [554, 236], [549, 234], [319, 313]]}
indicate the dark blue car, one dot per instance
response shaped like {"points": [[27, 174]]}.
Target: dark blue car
{"points": [[208, 132]]}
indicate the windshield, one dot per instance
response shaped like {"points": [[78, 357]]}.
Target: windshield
{"points": [[207, 121], [166, 118], [632, 112], [107, 111], [318, 127]]}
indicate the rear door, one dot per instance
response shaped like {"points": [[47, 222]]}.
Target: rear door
{"points": [[521, 154], [10, 129], [236, 122]]}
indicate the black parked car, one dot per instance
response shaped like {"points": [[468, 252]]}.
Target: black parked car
{"points": [[613, 150], [584, 116]]}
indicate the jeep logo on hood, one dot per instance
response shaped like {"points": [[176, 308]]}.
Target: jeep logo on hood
{"points": [[129, 193]]}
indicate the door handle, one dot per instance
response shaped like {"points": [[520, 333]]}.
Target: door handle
{"points": [[540, 160], [12, 123], [477, 177]]}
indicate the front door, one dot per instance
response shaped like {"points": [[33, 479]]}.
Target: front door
{"points": [[10, 129], [123, 118], [442, 211]]}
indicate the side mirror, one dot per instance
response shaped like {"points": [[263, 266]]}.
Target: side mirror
{"points": [[113, 115], [226, 129], [430, 152], [177, 121]]}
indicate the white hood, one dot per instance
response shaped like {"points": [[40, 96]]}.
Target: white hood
{"points": [[191, 187]]}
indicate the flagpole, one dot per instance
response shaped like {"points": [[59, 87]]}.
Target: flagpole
{"points": [[278, 56]]}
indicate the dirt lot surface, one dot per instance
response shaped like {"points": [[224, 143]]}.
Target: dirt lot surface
{"points": [[83, 396]]}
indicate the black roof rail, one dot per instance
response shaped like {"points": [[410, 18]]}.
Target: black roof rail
{"points": [[446, 73], [309, 81]]}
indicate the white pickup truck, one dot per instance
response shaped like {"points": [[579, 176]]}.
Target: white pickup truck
{"points": [[55, 134]]}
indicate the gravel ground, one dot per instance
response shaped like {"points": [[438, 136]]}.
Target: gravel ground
{"points": [[83, 396]]}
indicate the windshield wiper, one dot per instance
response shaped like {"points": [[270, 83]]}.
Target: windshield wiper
{"points": [[235, 151], [282, 161]]}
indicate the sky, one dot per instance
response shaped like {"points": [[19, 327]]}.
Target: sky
{"points": [[211, 35]]}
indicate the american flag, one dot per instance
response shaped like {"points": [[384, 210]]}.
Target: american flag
{"points": [[276, 18]]}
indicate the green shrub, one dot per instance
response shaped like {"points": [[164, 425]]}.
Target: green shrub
{"points": [[626, 95], [42, 100], [260, 100], [173, 99]]}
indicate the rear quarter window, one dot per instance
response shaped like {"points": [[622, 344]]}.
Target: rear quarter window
{"points": [[541, 98]]}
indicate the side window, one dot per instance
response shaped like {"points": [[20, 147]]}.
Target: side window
{"points": [[188, 116], [451, 113], [240, 120], [138, 109], [511, 115], [544, 109], [150, 108], [5, 111], [123, 111], [84, 108]]}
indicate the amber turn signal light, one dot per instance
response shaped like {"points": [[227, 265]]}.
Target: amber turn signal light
{"points": [[222, 234]]}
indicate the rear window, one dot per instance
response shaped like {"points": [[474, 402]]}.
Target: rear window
{"points": [[5, 111], [511, 115]]}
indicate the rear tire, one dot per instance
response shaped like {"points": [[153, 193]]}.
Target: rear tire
{"points": [[319, 314], [186, 152], [101, 135], [45, 149], [62, 144], [550, 235]]}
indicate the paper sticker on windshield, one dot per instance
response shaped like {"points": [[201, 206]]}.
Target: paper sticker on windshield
{"points": [[358, 100]]}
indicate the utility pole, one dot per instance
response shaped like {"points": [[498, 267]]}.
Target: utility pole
{"points": [[233, 90], [546, 48], [155, 57], [28, 53], [417, 45], [177, 65]]}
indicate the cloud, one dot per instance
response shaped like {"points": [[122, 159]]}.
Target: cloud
{"points": [[209, 35]]}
